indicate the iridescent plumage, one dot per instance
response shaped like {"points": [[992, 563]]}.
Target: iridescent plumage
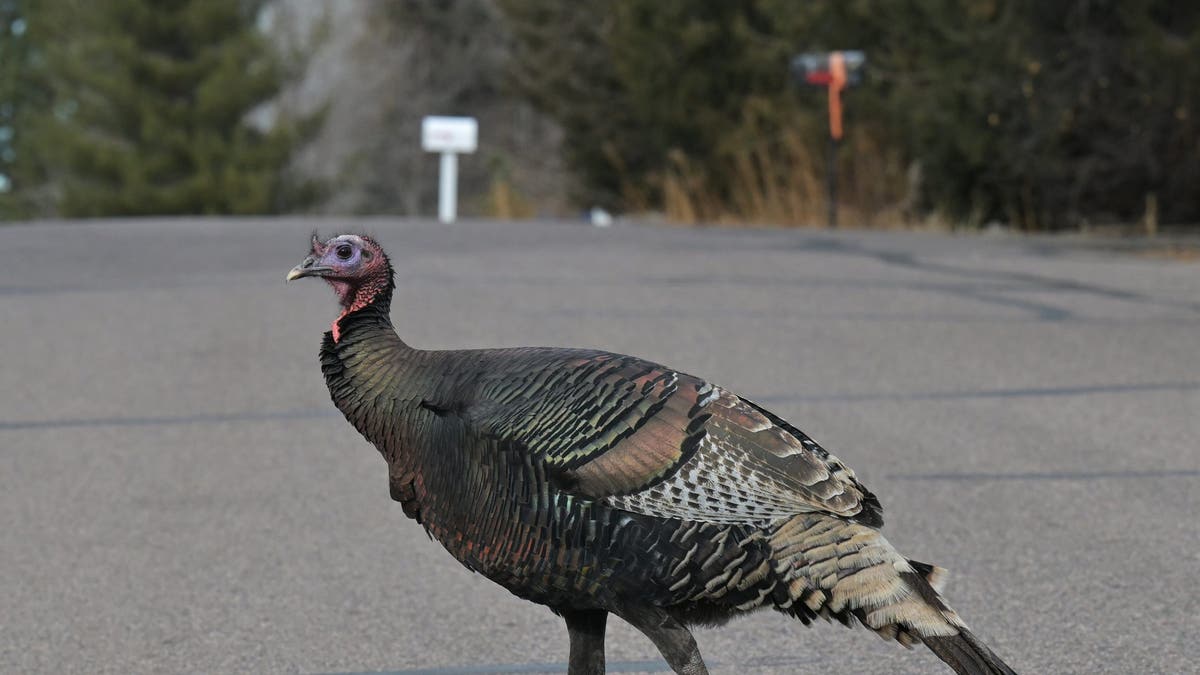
{"points": [[593, 482]]}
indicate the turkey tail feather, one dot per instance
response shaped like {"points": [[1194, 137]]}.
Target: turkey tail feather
{"points": [[967, 655], [836, 569]]}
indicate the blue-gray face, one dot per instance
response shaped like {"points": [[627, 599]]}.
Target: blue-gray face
{"points": [[345, 257]]}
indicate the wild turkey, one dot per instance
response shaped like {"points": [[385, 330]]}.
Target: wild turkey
{"points": [[593, 482]]}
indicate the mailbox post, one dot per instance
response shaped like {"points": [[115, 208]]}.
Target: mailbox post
{"points": [[449, 136], [835, 71]]}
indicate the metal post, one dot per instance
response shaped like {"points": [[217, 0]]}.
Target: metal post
{"points": [[833, 150], [448, 187], [448, 136]]}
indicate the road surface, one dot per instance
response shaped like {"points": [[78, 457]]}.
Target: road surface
{"points": [[177, 493]]}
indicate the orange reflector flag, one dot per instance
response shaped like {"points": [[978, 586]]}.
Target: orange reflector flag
{"points": [[837, 82]]}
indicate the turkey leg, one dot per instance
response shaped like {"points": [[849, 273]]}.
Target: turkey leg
{"points": [[586, 628], [671, 637]]}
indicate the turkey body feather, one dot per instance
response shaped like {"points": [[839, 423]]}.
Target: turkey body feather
{"points": [[594, 482]]}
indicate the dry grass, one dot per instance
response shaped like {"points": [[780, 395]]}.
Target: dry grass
{"points": [[504, 202], [783, 182], [1189, 253]]}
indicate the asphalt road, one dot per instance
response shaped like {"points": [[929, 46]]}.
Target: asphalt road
{"points": [[177, 493]]}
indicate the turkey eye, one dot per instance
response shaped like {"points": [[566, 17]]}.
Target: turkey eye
{"points": [[344, 251]]}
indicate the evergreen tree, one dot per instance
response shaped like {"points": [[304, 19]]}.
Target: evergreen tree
{"points": [[562, 63], [1041, 115], [641, 86], [24, 98], [153, 108]]}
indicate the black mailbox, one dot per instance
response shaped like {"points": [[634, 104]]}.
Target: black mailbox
{"points": [[815, 68]]}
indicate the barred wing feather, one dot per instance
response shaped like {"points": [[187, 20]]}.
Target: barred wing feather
{"points": [[650, 440]]}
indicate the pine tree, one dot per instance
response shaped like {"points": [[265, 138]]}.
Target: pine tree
{"points": [[1041, 115], [641, 85], [24, 98], [562, 64], [153, 109]]}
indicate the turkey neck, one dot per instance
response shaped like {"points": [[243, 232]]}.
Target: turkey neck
{"points": [[374, 292], [374, 378]]}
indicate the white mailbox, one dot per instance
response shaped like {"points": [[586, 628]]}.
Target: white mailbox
{"points": [[449, 136]]}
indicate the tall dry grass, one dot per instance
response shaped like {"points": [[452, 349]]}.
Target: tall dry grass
{"points": [[505, 202], [781, 180]]}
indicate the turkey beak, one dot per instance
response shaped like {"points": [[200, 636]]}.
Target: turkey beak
{"points": [[308, 268]]}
